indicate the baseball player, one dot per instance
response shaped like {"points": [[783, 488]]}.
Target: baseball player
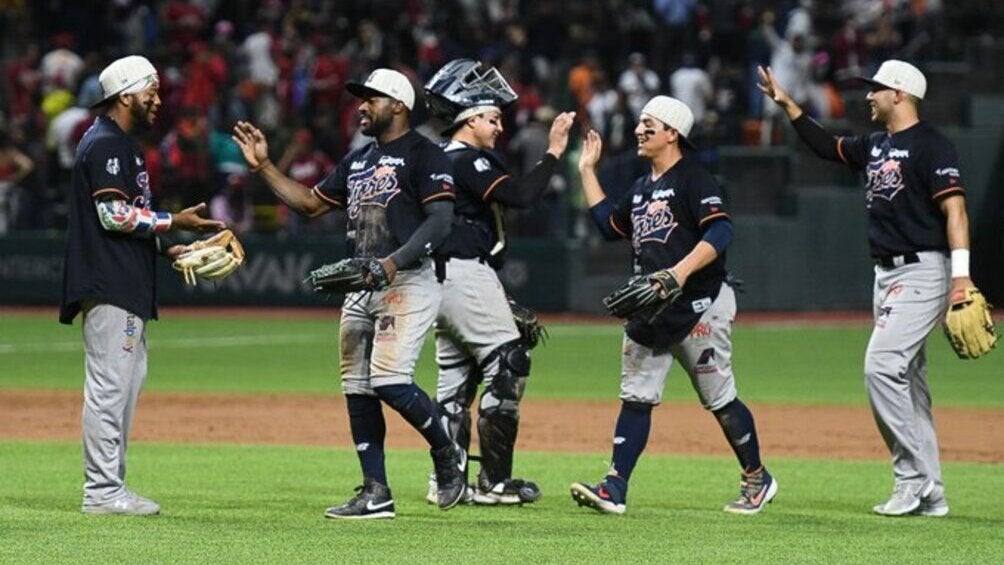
{"points": [[916, 214], [114, 236], [476, 337], [676, 217], [398, 192]]}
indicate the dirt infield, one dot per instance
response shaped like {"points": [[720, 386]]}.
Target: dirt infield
{"points": [[824, 432]]}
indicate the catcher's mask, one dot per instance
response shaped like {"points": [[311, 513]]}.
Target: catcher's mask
{"points": [[463, 88]]}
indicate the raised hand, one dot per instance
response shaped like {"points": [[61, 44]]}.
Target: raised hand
{"points": [[557, 139], [769, 86], [592, 147], [252, 143]]}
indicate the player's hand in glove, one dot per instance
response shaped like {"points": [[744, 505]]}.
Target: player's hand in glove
{"points": [[530, 329], [350, 275], [212, 259], [968, 324], [644, 295]]}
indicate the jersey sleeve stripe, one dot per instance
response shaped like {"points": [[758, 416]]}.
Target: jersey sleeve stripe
{"points": [[840, 149], [715, 216], [493, 186], [947, 192], [616, 228], [326, 199], [438, 196], [97, 193]]}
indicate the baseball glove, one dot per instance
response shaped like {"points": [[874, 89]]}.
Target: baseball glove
{"points": [[969, 326], [212, 259], [530, 329], [644, 295], [349, 275]]}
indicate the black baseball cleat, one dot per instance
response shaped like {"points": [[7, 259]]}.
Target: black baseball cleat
{"points": [[449, 476], [507, 491], [372, 500]]}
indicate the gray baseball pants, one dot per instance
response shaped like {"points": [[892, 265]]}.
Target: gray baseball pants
{"points": [[115, 370]]}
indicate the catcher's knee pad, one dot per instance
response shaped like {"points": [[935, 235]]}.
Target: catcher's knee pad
{"points": [[509, 380]]}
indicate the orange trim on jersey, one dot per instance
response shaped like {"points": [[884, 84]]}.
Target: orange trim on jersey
{"points": [[613, 224], [947, 191], [327, 199], [439, 195], [840, 149], [712, 217], [493, 185], [97, 193]]}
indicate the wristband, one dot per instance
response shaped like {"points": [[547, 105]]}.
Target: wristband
{"points": [[960, 263]]}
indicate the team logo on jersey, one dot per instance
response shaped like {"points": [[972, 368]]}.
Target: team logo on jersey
{"points": [[375, 186], [481, 165], [112, 166], [653, 221], [885, 179]]}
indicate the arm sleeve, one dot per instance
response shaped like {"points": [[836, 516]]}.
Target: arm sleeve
{"points": [[719, 234], [850, 150], [119, 216], [429, 234], [613, 220], [523, 192]]}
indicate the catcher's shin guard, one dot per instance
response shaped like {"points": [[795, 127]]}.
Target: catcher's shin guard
{"points": [[498, 426]]}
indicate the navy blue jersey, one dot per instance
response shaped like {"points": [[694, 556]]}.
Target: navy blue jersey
{"points": [[664, 219], [108, 267], [383, 189], [476, 174], [907, 175]]}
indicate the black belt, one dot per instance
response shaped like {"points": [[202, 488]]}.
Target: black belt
{"points": [[890, 261], [441, 261]]}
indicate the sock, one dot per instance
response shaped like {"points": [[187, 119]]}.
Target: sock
{"points": [[418, 410], [368, 432], [736, 421], [630, 438]]}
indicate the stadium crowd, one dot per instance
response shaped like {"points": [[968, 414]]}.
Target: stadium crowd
{"points": [[283, 63]]}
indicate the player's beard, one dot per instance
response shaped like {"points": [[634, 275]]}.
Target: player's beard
{"points": [[143, 114], [379, 123]]}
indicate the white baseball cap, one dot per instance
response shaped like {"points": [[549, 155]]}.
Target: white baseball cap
{"points": [[385, 82], [127, 75], [673, 113], [900, 75]]}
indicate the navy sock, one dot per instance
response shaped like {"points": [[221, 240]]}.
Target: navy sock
{"points": [[418, 409], [368, 432], [736, 421], [630, 438]]}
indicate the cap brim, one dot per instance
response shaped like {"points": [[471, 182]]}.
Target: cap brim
{"points": [[685, 141], [872, 82], [360, 90]]}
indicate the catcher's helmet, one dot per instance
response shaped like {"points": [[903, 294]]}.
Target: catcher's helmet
{"points": [[462, 84]]}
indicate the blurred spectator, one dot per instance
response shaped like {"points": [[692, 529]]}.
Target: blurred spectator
{"points": [[850, 57], [692, 85], [61, 65], [305, 164], [602, 105], [187, 172], [232, 204], [638, 82], [791, 61], [14, 167], [883, 43]]}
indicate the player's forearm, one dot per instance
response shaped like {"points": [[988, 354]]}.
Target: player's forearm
{"points": [[526, 190], [822, 142], [120, 216], [591, 188], [429, 234], [699, 257], [957, 233], [291, 192]]}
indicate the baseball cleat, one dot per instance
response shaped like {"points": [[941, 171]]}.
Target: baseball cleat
{"points": [[450, 483], [509, 491], [906, 498], [372, 500], [129, 504], [756, 490], [599, 498]]}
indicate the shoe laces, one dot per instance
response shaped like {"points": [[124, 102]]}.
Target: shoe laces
{"points": [[751, 485]]}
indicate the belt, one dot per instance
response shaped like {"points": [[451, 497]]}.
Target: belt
{"points": [[890, 261]]}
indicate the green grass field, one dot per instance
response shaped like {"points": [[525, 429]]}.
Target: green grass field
{"points": [[264, 504]]}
